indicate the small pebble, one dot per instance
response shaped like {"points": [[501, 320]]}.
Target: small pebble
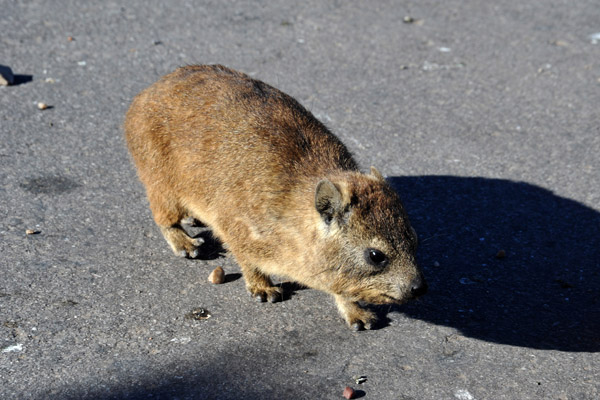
{"points": [[198, 314], [410, 20], [436, 264], [42, 106], [500, 254], [349, 392], [70, 38], [360, 379], [217, 276], [31, 232]]}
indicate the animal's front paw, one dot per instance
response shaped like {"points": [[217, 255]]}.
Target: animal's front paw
{"points": [[260, 285], [355, 316], [273, 294], [359, 321]]}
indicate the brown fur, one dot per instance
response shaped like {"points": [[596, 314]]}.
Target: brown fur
{"points": [[280, 191]]}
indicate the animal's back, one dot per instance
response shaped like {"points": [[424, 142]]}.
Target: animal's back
{"points": [[234, 127], [232, 151]]}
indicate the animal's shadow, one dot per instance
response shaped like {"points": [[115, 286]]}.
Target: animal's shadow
{"points": [[543, 293]]}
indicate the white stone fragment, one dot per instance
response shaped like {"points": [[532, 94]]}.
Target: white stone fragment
{"points": [[462, 394], [16, 347]]}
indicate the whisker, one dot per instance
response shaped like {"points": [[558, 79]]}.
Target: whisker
{"points": [[434, 236]]}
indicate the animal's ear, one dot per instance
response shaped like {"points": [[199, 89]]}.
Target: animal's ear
{"points": [[328, 200], [375, 172]]}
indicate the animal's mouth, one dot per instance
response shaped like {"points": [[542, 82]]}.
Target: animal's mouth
{"points": [[393, 299], [386, 299], [381, 298]]}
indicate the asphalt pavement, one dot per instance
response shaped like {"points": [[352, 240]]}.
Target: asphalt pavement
{"points": [[485, 117]]}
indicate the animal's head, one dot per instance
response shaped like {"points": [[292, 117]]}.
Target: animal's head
{"points": [[368, 242]]}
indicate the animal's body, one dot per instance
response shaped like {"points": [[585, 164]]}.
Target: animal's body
{"points": [[281, 192]]}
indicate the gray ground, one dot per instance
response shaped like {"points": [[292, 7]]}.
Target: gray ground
{"points": [[483, 114]]}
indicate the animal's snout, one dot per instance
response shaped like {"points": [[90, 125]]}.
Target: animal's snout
{"points": [[418, 287]]}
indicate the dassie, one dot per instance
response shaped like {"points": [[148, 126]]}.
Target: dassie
{"points": [[280, 191]]}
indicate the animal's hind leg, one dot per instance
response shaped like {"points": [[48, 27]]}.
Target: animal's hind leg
{"points": [[191, 221], [180, 242], [167, 214]]}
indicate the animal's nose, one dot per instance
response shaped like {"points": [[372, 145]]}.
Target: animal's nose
{"points": [[418, 286]]}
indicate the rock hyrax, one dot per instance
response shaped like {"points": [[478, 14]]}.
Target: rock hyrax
{"points": [[281, 192]]}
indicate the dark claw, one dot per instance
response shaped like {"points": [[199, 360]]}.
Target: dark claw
{"points": [[195, 253], [261, 298]]}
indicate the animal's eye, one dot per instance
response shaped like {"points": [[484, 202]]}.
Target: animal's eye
{"points": [[376, 258]]}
